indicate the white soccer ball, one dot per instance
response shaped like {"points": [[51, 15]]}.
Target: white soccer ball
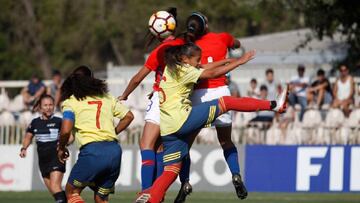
{"points": [[162, 24]]}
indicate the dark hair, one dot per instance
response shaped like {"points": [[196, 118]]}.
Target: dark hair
{"points": [[81, 83], [263, 88], [269, 70], [195, 26], [301, 67], [151, 37], [253, 80], [56, 72], [174, 54], [320, 72], [341, 65], [38, 102]]}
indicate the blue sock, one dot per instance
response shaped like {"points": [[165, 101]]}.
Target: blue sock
{"points": [[231, 157], [147, 168], [185, 169], [159, 164]]}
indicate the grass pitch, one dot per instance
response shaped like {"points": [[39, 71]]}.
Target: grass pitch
{"points": [[197, 197]]}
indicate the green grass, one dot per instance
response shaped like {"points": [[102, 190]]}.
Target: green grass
{"points": [[198, 197]]}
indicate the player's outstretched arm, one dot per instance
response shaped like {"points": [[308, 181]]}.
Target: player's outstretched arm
{"points": [[217, 64], [217, 72], [134, 82], [125, 122]]}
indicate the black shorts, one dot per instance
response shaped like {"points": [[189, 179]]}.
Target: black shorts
{"points": [[48, 160]]}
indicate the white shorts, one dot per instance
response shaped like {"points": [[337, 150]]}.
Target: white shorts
{"points": [[205, 95], [152, 113]]}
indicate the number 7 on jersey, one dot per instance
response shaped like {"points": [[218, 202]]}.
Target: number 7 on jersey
{"points": [[99, 104]]}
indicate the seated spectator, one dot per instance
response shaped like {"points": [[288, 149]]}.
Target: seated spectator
{"points": [[54, 88], [320, 91], [234, 89], [253, 90], [272, 86], [344, 90], [298, 85], [264, 116], [33, 91]]}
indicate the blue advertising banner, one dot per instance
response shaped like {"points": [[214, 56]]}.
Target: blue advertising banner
{"points": [[302, 168]]}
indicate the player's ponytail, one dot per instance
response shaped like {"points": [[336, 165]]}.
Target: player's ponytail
{"points": [[173, 56], [81, 83], [196, 26]]}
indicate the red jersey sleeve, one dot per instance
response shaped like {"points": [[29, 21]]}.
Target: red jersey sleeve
{"points": [[228, 39], [152, 61]]}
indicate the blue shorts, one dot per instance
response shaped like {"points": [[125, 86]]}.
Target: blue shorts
{"points": [[98, 166], [176, 144]]}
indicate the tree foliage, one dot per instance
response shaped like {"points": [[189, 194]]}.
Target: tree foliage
{"points": [[330, 17], [37, 36]]}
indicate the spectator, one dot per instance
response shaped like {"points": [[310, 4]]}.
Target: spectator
{"points": [[234, 89], [298, 85], [253, 90], [271, 85], [264, 116], [33, 91], [344, 90], [320, 90], [54, 88]]}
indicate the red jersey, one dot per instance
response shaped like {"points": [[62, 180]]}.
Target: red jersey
{"points": [[214, 47], [156, 62]]}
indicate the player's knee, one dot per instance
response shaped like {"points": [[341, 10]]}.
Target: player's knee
{"points": [[175, 168], [147, 142], [56, 187], [70, 191], [227, 145], [99, 198]]}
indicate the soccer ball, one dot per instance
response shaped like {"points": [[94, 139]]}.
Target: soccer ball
{"points": [[162, 24]]}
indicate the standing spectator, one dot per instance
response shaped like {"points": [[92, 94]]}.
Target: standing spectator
{"points": [[344, 90], [33, 90], [298, 85], [54, 88], [253, 91], [320, 90], [234, 89], [270, 84]]}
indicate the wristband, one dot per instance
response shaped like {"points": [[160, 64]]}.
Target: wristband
{"points": [[23, 148]]}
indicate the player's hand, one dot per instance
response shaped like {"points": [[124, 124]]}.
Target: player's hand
{"points": [[63, 154], [22, 153], [122, 98], [247, 57]]}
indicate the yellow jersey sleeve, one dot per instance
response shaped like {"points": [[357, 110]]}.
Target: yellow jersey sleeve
{"points": [[119, 110], [67, 105]]}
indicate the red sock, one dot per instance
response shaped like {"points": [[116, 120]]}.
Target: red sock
{"points": [[244, 104], [75, 198], [163, 182]]}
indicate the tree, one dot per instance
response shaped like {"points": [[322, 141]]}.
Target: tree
{"points": [[329, 17], [37, 36]]}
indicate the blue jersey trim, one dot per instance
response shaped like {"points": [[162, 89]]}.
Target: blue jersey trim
{"points": [[69, 115]]}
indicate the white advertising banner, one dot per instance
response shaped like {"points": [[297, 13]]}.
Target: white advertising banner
{"points": [[15, 172]]}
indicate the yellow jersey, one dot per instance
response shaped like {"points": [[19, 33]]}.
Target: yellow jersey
{"points": [[94, 118], [174, 92]]}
